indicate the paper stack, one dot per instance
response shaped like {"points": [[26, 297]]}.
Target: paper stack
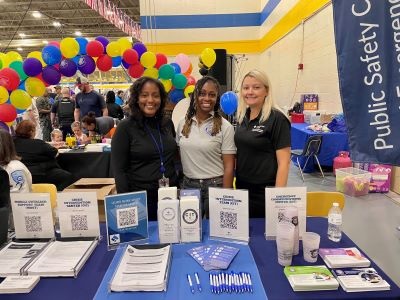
{"points": [[310, 278], [343, 257], [213, 257], [360, 280], [18, 284]]}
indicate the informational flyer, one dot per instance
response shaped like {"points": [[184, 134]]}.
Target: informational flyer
{"points": [[276, 200], [78, 214], [229, 214], [126, 217], [33, 218]]}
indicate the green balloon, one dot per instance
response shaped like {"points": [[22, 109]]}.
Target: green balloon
{"points": [[166, 72], [179, 81], [1, 64], [17, 66]]}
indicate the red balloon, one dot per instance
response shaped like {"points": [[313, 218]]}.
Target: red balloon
{"points": [[191, 80], [104, 63], [9, 78], [130, 56], [95, 49], [8, 112], [136, 70], [161, 60], [54, 43], [41, 78]]}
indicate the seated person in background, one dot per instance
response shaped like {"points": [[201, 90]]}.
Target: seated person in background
{"points": [[57, 139], [81, 138], [99, 125], [40, 157], [114, 110]]}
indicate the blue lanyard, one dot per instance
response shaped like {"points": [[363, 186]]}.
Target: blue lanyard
{"points": [[160, 147]]}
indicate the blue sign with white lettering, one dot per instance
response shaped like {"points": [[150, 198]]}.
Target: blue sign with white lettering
{"points": [[367, 35]]}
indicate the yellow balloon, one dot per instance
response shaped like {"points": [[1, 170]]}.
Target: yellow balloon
{"points": [[167, 84], [151, 72], [208, 57], [37, 55], [69, 47], [124, 44], [3, 95], [148, 59], [20, 99], [34, 86], [188, 90], [9, 124], [113, 49], [12, 56]]}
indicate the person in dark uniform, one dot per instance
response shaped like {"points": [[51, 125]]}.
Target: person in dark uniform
{"points": [[114, 110], [143, 146], [262, 139], [62, 112]]}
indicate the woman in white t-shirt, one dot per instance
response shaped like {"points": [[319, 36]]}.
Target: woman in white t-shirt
{"points": [[19, 175]]}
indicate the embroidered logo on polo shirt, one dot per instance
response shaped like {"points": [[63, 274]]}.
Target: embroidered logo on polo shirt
{"points": [[258, 128], [208, 129]]}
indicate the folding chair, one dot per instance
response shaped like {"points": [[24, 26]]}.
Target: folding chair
{"points": [[319, 203], [311, 149]]}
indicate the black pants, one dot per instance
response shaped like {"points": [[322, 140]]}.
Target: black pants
{"points": [[256, 197], [57, 176]]}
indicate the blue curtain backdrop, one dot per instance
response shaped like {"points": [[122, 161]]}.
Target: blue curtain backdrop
{"points": [[367, 35]]}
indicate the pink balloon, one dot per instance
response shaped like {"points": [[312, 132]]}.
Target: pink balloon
{"points": [[54, 43], [183, 61]]}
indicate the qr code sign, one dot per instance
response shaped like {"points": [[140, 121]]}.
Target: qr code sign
{"points": [[127, 217], [33, 223], [79, 222], [228, 220]]}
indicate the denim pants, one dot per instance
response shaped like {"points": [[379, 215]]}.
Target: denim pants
{"points": [[202, 185]]}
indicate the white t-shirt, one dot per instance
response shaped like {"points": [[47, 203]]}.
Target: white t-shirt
{"points": [[201, 153], [19, 176]]}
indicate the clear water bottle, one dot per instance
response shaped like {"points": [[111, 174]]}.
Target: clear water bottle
{"points": [[335, 223]]}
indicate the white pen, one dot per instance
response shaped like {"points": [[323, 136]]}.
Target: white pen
{"points": [[190, 283], [249, 280], [196, 276]]}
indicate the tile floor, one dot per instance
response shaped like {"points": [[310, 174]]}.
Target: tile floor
{"points": [[371, 221]]}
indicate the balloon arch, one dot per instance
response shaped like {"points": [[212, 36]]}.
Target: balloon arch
{"points": [[20, 79]]}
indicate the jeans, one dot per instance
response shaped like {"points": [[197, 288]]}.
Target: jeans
{"points": [[202, 185]]}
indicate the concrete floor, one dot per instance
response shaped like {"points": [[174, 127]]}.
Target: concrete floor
{"points": [[371, 221]]}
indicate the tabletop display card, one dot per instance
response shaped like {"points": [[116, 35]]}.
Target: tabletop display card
{"points": [[78, 214], [229, 214], [343, 257], [126, 218], [33, 217], [167, 193], [310, 278], [360, 280], [18, 284], [168, 221], [190, 219], [14, 256], [276, 199]]}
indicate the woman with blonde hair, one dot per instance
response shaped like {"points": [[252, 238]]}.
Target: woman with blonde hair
{"points": [[262, 139]]}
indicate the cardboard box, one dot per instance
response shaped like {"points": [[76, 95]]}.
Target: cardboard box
{"points": [[102, 187], [395, 186], [326, 118]]}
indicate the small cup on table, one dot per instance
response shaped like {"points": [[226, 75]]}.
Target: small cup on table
{"points": [[285, 242], [311, 242]]}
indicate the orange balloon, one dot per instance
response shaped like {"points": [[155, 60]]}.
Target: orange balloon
{"points": [[189, 70]]}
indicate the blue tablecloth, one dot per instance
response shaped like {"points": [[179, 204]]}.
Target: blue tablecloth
{"points": [[182, 264], [275, 283], [332, 143]]}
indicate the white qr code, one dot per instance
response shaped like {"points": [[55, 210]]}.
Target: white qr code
{"points": [[33, 223], [228, 220], [79, 222], [127, 217]]}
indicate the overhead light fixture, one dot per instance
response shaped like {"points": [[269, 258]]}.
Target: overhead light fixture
{"points": [[19, 49], [45, 42], [36, 14], [78, 33], [22, 35], [56, 24]]}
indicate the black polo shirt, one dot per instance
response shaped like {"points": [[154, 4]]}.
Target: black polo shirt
{"points": [[257, 143]]}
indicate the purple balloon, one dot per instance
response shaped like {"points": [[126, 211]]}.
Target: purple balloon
{"points": [[103, 40], [51, 75], [125, 64], [86, 64], [32, 66], [68, 67], [3, 126], [140, 48]]}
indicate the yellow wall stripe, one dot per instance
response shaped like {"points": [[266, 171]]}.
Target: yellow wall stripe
{"points": [[301, 11]]}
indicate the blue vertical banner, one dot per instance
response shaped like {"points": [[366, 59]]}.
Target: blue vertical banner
{"points": [[367, 36]]}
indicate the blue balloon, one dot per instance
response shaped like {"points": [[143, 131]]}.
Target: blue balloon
{"points": [[177, 68], [51, 55], [21, 85], [176, 95], [20, 111], [229, 103], [82, 45], [75, 59], [116, 61]]}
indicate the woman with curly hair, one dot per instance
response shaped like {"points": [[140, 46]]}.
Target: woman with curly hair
{"points": [[206, 142], [143, 146]]}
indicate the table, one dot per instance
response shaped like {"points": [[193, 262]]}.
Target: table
{"points": [[86, 164], [264, 252], [332, 143]]}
